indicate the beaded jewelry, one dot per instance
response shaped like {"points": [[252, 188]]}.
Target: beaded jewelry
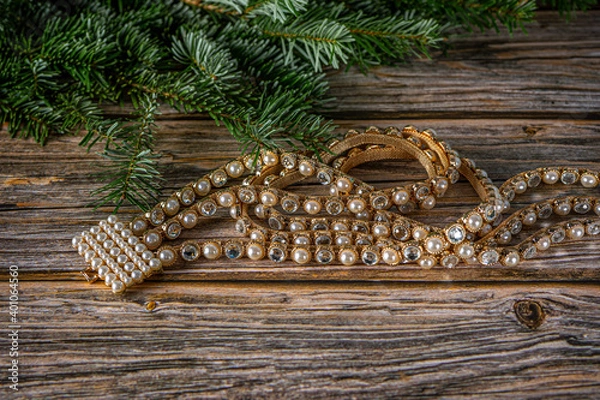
{"points": [[355, 223]]}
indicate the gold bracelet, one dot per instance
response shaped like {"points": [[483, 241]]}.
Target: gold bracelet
{"points": [[354, 223]]}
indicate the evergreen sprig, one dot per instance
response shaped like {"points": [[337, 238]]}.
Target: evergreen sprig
{"points": [[254, 66]]}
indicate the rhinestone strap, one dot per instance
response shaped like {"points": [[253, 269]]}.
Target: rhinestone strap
{"points": [[355, 223]]}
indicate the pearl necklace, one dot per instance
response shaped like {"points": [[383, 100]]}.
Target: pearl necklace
{"points": [[355, 223]]}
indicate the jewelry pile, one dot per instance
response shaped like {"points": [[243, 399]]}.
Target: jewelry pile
{"points": [[355, 223]]}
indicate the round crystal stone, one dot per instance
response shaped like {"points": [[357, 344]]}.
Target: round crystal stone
{"points": [[233, 250], [450, 261], [187, 196], [515, 227], [557, 235], [544, 211], [380, 202], [489, 257], [323, 240], [190, 251], [411, 253], [320, 226], [173, 230], [334, 207], [534, 180], [324, 177], [324, 256], [490, 213], [582, 206], [288, 160], [592, 228], [275, 223], [400, 232], [456, 234], [157, 216], [208, 208], [529, 251], [369, 257], [247, 195], [568, 177], [360, 227], [422, 192], [277, 254], [219, 178], [290, 204]]}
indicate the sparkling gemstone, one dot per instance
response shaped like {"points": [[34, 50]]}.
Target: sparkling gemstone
{"points": [[544, 211], [592, 228], [529, 251], [582, 206], [334, 207], [241, 226], [324, 256], [515, 227], [275, 223], [557, 234], [568, 177], [187, 196], [360, 227], [421, 192], [233, 250], [288, 160], [157, 216], [208, 208], [406, 208], [290, 204], [320, 226], [369, 257], [490, 213], [219, 178], [489, 257], [323, 240], [364, 240], [190, 251], [324, 177], [400, 232], [173, 230], [411, 253], [247, 195], [534, 180], [450, 261], [456, 234], [277, 254], [380, 201]]}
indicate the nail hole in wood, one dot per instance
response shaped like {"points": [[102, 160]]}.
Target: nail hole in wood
{"points": [[150, 306], [530, 313]]}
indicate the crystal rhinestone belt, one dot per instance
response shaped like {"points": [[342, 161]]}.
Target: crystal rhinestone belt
{"points": [[355, 223]]}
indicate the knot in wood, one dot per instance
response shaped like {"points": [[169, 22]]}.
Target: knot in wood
{"points": [[530, 313]]}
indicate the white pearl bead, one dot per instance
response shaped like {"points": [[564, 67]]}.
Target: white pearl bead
{"points": [[381, 231], [342, 241], [119, 226], [112, 219], [512, 259], [152, 240], [270, 159], [390, 256], [235, 169], [348, 257], [465, 251], [356, 205], [474, 222], [257, 236], [118, 287], [171, 206], [343, 185], [550, 177], [115, 251], [588, 180], [400, 197], [576, 231], [297, 226], [140, 248], [211, 251], [102, 271], [129, 266], [122, 259], [543, 243], [301, 256], [146, 270], [189, 220], [96, 263], [268, 199], [428, 203], [137, 275], [427, 262], [166, 256], [259, 211], [312, 207], [109, 279], [226, 199], [420, 233], [202, 187], [340, 227], [155, 264], [306, 168], [529, 219], [255, 251], [147, 255], [94, 230], [139, 225], [132, 241], [126, 233], [520, 187], [434, 245], [89, 255]]}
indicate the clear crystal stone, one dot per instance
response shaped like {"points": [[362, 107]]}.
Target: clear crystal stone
{"points": [[489, 257], [364, 240], [369, 257], [324, 256], [592, 228], [320, 226], [557, 234], [323, 240], [173, 230], [360, 227], [277, 254], [247, 195], [421, 192], [208, 208], [275, 223], [190, 251], [187, 196], [400, 232], [568, 177], [529, 251], [450, 261], [456, 234], [288, 160], [157, 216], [534, 180], [411, 253], [334, 207], [544, 211], [279, 238], [219, 178], [490, 213], [380, 202], [233, 250], [582, 206], [290, 204], [324, 177], [515, 227]]}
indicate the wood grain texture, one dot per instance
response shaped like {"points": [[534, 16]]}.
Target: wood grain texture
{"points": [[245, 331], [309, 341]]}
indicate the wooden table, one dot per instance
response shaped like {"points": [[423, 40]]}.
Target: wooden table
{"points": [[251, 330]]}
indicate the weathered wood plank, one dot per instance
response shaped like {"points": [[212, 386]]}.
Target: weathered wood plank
{"points": [[317, 340]]}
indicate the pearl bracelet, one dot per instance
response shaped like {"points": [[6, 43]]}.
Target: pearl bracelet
{"points": [[354, 223]]}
